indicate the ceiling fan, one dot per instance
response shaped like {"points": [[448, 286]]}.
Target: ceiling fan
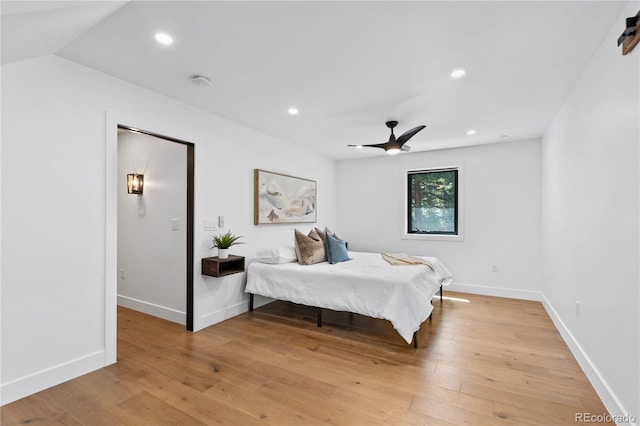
{"points": [[393, 145]]}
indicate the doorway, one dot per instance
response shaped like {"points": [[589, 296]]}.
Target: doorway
{"points": [[154, 226]]}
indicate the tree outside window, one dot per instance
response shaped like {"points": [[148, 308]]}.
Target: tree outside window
{"points": [[433, 202]]}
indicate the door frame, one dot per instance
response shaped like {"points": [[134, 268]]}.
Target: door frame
{"points": [[190, 210]]}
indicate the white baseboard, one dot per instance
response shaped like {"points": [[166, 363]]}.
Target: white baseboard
{"points": [[215, 317], [212, 318], [41, 380], [611, 402], [603, 390], [510, 293], [152, 309]]}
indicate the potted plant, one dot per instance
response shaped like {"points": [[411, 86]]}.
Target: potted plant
{"points": [[223, 241]]}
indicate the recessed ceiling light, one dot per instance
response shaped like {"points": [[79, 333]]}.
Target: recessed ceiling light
{"points": [[293, 111], [458, 73], [164, 38], [471, 131]]}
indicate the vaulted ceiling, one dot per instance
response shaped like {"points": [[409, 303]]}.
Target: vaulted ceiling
{"points": [[346, 66]]}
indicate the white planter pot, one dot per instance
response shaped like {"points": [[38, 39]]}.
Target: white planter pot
{"points": [[223, 253]]}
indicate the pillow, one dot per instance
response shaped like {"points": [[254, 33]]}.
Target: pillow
{"points": [[309, 248], [280, 254], [337, 249], [323, 236]]}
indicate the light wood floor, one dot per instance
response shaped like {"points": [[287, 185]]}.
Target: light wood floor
{"points": [[481, 361]]}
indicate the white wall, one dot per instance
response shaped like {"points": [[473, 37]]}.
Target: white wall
{"points": [[590, 215], [501, 214], [152, 256], [56, 144]]}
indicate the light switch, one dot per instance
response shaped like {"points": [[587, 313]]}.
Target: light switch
{"points": [[210, 225], [175, 224]]}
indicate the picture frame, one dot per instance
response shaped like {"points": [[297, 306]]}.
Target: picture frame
{"points": [[280, 198]]}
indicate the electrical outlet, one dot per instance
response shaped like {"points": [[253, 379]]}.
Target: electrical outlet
{"points": [[221, 221], [494, 268], [577, 308], [122, 274]]}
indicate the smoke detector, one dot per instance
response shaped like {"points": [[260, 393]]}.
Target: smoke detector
{"points": [[200, 80]]}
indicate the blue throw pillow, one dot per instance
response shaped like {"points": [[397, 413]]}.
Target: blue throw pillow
{"points": [[326, 248], [337, 251]]}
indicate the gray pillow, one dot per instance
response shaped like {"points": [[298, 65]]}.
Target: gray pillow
{"points": [[309, 248], [323, 236]]}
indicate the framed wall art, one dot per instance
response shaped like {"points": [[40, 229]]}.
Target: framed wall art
{"points": [[281, 198]]}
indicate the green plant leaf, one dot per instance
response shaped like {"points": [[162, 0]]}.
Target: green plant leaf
{"points": [[224, 241]]}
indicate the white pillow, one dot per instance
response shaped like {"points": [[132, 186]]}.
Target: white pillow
{"points": [[280, 254]]}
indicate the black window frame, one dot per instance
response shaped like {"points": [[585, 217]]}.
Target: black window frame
{"points": [[456, 215]]}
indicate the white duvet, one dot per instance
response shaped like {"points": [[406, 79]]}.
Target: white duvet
{"points": [[366, 285]]}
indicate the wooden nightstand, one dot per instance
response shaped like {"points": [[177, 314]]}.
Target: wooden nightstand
{"points": [[216, 267]]}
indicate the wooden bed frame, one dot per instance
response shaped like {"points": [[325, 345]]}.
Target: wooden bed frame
{"points": [[319, 315]]}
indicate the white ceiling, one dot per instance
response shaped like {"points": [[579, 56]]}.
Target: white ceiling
{"points": [[347, 66]]}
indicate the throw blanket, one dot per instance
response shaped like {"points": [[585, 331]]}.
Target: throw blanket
{"points": [[405, 259]]}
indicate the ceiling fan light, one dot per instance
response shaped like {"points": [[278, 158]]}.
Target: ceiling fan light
{"points": [[393, 147]]}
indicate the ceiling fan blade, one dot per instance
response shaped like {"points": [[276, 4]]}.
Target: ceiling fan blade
{"points": [[409, 134], [376, 145]]}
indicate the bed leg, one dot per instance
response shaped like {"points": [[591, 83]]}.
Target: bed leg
{"points": [[415, 339], [250, 302], [319, 311], [441, 294]]}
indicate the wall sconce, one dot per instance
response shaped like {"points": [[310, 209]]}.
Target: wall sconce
{"points": [[135, 183]]}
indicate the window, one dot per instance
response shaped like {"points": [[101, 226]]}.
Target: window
{"points": [[432, 202]]}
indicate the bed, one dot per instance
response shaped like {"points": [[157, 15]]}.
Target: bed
{"points": [[367, 285]]}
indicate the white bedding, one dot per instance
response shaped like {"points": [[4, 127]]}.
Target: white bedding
{"points": [[366, 285]]}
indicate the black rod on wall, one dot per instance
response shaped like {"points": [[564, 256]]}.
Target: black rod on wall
{"points": [[190, 230]]}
